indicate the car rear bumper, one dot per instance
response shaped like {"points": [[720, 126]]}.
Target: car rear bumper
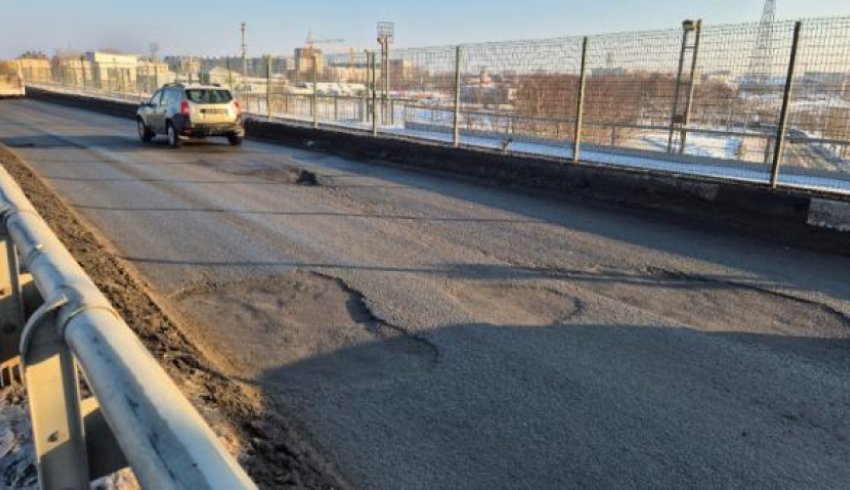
{"points": [[213, 130], [189, 129]]}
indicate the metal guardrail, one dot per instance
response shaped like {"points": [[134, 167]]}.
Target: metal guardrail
{"points": [[137, 415]]}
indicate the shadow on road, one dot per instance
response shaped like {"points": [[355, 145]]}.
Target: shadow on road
{"points": [[129, 143], [580, 406]]}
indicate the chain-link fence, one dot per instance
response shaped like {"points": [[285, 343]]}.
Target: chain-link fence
{"points": [[697, 99]]}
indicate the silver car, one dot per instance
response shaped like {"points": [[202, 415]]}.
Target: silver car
{"points": [[181, 112]]}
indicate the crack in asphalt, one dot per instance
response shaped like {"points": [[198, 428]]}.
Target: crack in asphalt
{"points": [[685, 277], [357, 305]]}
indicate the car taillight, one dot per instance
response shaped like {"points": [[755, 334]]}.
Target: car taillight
{"points": [[184, 108], [237, 107]]}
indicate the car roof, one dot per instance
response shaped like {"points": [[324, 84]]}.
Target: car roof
{"points": [[194, 86]]}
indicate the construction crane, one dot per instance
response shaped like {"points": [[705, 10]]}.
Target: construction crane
{"points": [[311, 41], [759, 72]]}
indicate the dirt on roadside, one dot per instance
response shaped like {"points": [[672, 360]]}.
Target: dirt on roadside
{"points": [[268, 444]]}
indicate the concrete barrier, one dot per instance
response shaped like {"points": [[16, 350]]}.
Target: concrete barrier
{"points": [[786, 215]]}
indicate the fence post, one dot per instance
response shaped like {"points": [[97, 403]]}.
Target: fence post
{"points": [[686, 120], [83, 68], [783, 114], [269, 87], [374, 95], [456, 122], [230, 76], [677, 92], [582, 82], [314, 100], [124, 84]]}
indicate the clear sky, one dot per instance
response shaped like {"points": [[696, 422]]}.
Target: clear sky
{"points": [[210, 27]]}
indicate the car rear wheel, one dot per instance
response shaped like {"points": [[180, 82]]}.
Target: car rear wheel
{"points": [[235, 140], [144, 133], [173, 139]]}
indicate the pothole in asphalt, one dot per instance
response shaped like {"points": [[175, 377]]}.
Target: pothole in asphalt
{"points": [[303, 318], [723, 306], [516, 305], [286, 174]]}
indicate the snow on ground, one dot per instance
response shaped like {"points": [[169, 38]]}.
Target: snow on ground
{"points": [[722, 147], [17, 450], [17, 453]]}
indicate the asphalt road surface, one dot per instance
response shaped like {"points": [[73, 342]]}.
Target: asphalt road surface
{"points": [[431, 332]]}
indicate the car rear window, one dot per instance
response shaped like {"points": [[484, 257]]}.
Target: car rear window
{"points": [[209, 96]]}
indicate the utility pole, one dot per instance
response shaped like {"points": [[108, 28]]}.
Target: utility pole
{"points": [[244, 53]]}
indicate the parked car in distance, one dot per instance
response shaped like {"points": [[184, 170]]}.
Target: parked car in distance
{"points": [[182, 111]]}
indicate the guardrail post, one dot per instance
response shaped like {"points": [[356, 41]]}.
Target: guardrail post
{"points": [[786, 102], [54, 402], [269, 87], [582, 82], [164, 438], [11, 312], [456, 122]]}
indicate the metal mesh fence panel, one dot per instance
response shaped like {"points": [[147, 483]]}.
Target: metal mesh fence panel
{"points": [[819, 114], [520, 92], [697, 98], [630, 87], [739, 89], [422, 82]]}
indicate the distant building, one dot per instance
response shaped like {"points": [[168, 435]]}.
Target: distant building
{"points": [[72, 69], [307, 60], [487, 95], [348, 72], [186, 68], [153, 74], [609, 72], [36, 70], [224, 77], [113, 70]]}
